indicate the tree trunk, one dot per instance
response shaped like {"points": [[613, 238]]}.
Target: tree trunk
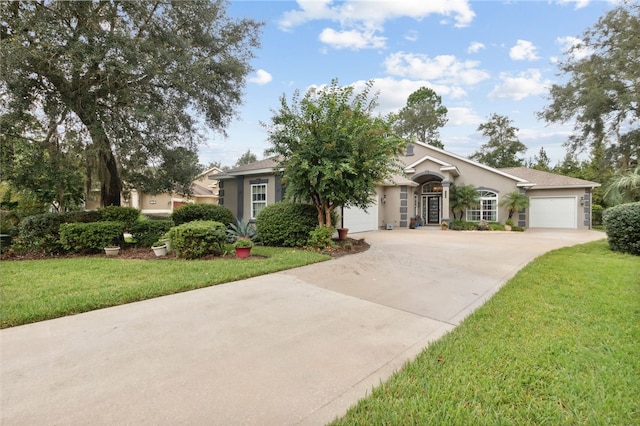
{"points": [[110, 183]]}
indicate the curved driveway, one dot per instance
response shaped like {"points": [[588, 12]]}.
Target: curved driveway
{"points": [[296, 347]]}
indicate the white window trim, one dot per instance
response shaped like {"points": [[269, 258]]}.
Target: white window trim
{"points": [[484, 197], [254, 186]]}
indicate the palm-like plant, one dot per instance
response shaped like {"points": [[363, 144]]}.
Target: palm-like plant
{"points": [[623, 188], [462, 198], [242, 230], [514, 202]]}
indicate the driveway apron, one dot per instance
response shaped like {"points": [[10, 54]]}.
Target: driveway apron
{"points": [[296, 347]]}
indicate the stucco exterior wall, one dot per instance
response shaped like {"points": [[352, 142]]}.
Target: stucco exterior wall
{"points": [[582, 197], [235, 193]]}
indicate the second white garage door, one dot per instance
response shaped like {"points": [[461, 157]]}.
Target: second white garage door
{"points": [[553, 212], [360, 220]]}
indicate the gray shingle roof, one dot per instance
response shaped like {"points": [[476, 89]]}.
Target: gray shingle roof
{"points": [[546, 179]]}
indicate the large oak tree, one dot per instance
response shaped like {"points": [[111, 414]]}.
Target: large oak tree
{"points": [[137, 79], [333, 149]]}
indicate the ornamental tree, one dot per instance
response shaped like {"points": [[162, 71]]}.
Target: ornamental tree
{"points": [[332, 149]]}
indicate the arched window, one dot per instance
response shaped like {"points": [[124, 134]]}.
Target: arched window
{"points": [[431, 187], [487, 209]]}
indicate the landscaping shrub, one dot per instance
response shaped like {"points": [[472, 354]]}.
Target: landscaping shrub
{"points": [[320, 237], [127, 215], [211, 212], [622, 224], [198, 238], [596, 214], [82, 216], [147, 232], [461, 225], [494, 226], [286, 224], [90, 237], [41, 233]]}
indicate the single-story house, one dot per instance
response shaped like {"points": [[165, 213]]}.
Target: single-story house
{"points": [[203, 190], [555, 201]]}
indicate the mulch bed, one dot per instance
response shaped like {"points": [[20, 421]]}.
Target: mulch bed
{"points": [[341, 248]]}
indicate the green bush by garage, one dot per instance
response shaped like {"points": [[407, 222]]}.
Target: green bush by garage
{"points": [[622, 224], [198, 238]]}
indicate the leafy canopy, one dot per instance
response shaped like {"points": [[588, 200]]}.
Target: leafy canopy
{"points": [[601, 94], [332, 149], [134, 79], [503, 147], [421, 118]]}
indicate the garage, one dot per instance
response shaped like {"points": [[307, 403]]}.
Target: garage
{"points": [[553, 212], [360, 220]]}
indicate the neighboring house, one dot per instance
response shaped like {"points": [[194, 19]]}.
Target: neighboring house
{"points": [[555, 201], [203, 190]]}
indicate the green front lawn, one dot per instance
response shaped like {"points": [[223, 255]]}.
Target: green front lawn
{"points": [[36, 290], [558, 345]]}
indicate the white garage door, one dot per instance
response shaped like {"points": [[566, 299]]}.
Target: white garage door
{"points": [[553, 212], [360, 220]]}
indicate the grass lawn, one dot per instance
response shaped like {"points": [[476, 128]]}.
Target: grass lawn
{"points": [[36, 290], [558, 345]]}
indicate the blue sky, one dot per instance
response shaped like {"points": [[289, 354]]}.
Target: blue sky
{"points": [[481, 57]]}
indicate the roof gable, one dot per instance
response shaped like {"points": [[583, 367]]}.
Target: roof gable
{"points": [[440, 156]]}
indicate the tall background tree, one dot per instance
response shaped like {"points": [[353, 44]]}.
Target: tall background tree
{"points": [[602, 92], [421, 118], [503, 147], [333, 149], [133, 79], [246, 158]]}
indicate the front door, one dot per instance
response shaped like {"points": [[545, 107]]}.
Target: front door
{"points": [[431, 209]]}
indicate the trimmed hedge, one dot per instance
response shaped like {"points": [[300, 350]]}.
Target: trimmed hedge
{"points": [[90, 237], [212, 212], [198, 238], [286, 224], [41, 233], [147, 232], [622, 224], [127, 215]]}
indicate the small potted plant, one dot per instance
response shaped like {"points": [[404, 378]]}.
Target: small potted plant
{"points": [[508, 224], [444, 225], [159, 248], [112, 250], [243, 247]]}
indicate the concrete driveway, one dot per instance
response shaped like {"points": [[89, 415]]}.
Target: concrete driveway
{"points": [[297, 347]]}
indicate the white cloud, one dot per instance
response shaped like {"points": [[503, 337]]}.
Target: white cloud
{"points": [[351, 39], [445, 69], [579, 3], [573, 47], [518, 87], [523, 51], [261, 77], [366, 19], [475, 47], [463, 116], [356, 11], [411, 36]]}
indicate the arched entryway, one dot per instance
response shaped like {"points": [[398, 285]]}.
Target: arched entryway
{"points": [[431, 202], [430, 197]]}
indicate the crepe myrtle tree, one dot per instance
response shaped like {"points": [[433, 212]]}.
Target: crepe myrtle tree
{"points": [[136, 78], [332, 148]]}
